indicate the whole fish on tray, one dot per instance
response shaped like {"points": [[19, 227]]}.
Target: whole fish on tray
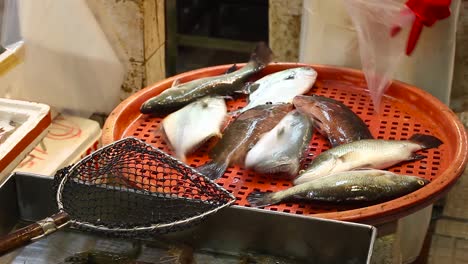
{"points": [[281, 87], [333, 119], [189, 127], [241, 135], [367, 153], [182, 94], [360, 185], [281, 149]]}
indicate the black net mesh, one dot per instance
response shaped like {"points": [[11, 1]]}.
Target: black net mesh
{"points": [[131, 185]]}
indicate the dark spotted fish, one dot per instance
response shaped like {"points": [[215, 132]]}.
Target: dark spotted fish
{"points": [[180, 95], [241, 135], [333, 119], [359, 185]]}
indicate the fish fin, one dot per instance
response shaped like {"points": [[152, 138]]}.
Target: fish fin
{"points": [[349, 156], [280, 132], [231, 69], [175, 82], [251, 87], [213, 169], [218, 134], [363, 168], [181, 156], [227, 97], [261, 199], [235, 112], [426, 141], [248, 88], [415, 156], [290, 76], [262, 54]]}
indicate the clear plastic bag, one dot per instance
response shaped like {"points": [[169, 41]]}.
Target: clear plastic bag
{"points": [[380, 52]]}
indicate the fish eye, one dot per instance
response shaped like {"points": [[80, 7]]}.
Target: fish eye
{"points": [[268, 103], [421, 182]]}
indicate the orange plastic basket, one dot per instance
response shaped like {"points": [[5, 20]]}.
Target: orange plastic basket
{"points": [[405, 110]]}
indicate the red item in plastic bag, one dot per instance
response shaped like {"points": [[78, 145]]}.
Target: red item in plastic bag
{"points": [[426, 12]]}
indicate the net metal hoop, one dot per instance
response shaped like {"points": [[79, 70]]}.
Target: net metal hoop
{"points": [[146, 228]]}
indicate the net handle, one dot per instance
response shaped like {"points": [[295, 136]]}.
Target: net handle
{"points": [[33, 232]]}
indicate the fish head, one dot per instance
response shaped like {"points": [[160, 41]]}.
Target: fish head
{"points": [[414, 182]]}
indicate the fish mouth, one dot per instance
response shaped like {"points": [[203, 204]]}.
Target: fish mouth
{"points": [[145, 108]]}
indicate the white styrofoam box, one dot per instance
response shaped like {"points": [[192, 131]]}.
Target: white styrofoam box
{"points": [[25, 123], [69, 139]]}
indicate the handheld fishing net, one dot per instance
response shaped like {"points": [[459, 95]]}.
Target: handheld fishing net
{"points": [[131, 189]]}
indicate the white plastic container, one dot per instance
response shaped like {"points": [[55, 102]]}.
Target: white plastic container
{"points": [[328, 36], [69, 139]]}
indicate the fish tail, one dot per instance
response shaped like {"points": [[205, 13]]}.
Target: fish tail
{"points": [[261, 199], [426, 141], [213, 169], [415, 156], [231, 69], [262, 54]]}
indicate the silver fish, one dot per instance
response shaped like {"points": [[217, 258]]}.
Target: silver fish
{"points": [[281, 149], [189, 127], [281, 87], [180, 95], [367, 153], [359, 185]]}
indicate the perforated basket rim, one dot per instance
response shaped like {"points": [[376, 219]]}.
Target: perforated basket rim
{"points": [[128, 111], [146, 228]]}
